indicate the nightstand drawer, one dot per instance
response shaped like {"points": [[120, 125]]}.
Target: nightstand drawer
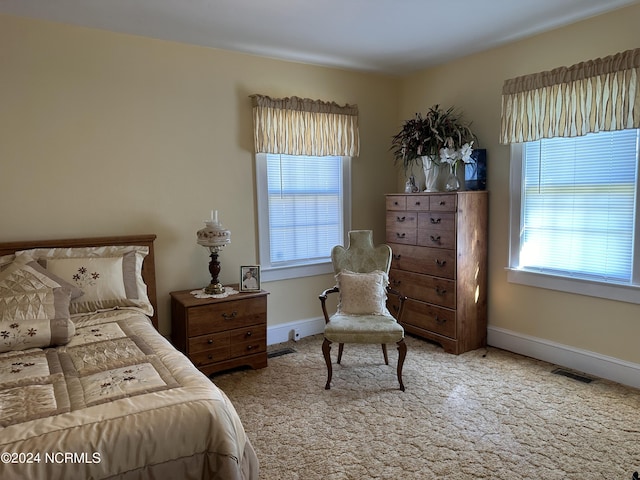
{"points": [[223, 316], [208, 342], [210, 356]]}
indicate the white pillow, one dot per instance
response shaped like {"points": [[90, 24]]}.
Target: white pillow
{"points": [[110, 277], [362, 293]]}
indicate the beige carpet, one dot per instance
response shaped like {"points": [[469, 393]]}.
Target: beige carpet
{"points": [[502, 416]]}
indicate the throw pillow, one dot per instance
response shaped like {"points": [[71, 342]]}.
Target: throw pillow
{"points": [[362, 293], [34, 309]]}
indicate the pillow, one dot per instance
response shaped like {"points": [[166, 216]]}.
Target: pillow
{"points": [[34, 309], [6, 260], [110, 277], [362, 293]]}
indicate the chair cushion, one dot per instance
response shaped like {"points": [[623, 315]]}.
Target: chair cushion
{"points": [[362, 293], [363, 329]]}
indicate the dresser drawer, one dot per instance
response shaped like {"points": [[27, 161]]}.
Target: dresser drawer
{"points": [[396, 202], [426, 260], [437, 221], [223, 316], [402, 227], [443, 203], [429, 317], [429, 237], [439, 291], [418, 203]]}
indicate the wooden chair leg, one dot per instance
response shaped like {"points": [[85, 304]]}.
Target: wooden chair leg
{"points": [[326, 349], [402, 353], [384, 352], [340, 349]]}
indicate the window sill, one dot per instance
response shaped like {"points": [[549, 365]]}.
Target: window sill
{"points": [[285, 273], [610, 291]]}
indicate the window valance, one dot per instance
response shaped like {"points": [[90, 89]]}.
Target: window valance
{"points": [[301, 126], [593, 96]]}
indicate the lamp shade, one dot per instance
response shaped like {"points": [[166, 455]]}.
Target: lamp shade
{"points": [[213, 235]]}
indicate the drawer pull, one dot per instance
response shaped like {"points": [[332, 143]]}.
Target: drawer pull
{"points": [[441, 263], [441, 291], [435, 238], [210, 357], [249, 347], [440, 321], [435, 221], [396, 256], [396, 283], [248, 334], [400, 219], [233, 315], [210, 341], [442, 202], [395, 203], [400, 235], [417, 203]]}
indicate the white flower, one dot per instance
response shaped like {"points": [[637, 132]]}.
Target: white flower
{"points": [[465, 152], [449, 155]]}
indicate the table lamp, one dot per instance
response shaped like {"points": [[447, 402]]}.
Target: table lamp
{"points": [[214, 237]]}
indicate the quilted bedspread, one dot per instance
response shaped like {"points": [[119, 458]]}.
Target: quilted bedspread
{"points": [[118, 401]]}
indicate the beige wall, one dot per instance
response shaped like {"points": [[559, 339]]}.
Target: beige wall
{"points": [[103, 134], [474, 85]]}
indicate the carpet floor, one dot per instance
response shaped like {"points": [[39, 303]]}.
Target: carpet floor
{"points": [[485, 414]]}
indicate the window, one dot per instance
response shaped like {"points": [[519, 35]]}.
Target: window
{"points": [[303, 212], [573, 217]]}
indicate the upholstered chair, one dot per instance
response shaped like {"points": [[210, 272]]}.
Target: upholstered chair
{"points": [[362, 271]]}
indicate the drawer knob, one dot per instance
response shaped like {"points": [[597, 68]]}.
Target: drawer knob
{"points": [[395, 203], [400, 219], [210, 341], [231, 316], [435, 221], [210, 357], [441, 291], [249, 347], [248, 334], [435, 238], [400, 235], [441, 263]]}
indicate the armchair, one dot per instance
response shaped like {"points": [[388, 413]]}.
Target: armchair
{"points": [[362, 317]]}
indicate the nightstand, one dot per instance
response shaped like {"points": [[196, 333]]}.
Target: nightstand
{"points": [[221, 333]]}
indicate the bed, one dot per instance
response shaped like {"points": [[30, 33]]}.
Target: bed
{"points": [[88, 387]]}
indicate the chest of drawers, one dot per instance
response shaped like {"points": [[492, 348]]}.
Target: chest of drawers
{"points": [[221, 333], [439, 244]]}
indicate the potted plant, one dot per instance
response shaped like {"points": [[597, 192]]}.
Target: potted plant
{"points": [[437, 137]]}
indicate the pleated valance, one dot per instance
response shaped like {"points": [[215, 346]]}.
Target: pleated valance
{"points": [[301, 126], [593, 96]]}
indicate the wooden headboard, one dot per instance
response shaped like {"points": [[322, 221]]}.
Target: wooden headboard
{"points": [[148, 267]]}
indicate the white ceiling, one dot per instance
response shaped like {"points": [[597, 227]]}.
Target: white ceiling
{"points": [[389, 36]]}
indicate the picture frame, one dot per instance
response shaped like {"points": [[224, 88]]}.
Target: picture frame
{"points": [[250, 278]]}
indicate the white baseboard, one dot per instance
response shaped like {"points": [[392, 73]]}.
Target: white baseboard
{"points": [[584, 361], [284, 332]]}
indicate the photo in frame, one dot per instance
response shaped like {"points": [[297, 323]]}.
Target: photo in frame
{"points": [[250, 278]]}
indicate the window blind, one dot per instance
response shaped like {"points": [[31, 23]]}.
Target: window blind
{"points": [[305, 208], [579, 205]]}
